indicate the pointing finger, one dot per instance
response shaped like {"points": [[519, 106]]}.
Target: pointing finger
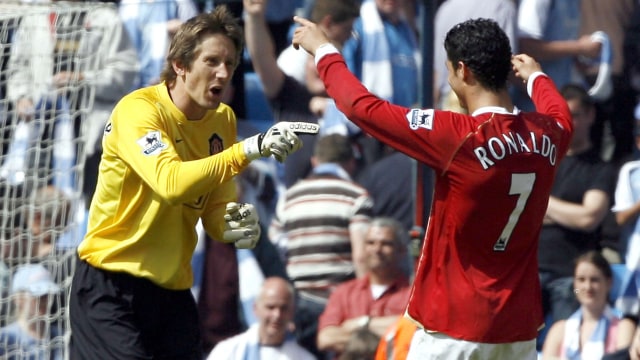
{"points": [[302, 21]]}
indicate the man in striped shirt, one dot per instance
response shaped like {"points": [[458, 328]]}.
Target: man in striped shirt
{"points": [[321, 222]]}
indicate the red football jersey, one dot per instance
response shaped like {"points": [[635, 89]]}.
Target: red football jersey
{"points": [[477, 278]]}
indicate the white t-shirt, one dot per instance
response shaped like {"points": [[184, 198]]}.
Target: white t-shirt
{"points": [[243, 346], [292, 62]]}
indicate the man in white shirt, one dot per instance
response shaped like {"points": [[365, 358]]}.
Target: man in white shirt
{"points": [[269, 339]]}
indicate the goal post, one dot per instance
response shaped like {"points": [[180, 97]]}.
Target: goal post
{"points": [[45, 50]]}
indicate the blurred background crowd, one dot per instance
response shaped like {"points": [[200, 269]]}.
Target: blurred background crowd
{"points": [[340, 218]]}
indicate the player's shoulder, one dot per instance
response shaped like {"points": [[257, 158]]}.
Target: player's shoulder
{"points": [[130, 108], [540, 119], [139, 97], [225, 111]]}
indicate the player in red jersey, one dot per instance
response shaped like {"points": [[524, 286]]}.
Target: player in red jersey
{"points": [[476, 292]]}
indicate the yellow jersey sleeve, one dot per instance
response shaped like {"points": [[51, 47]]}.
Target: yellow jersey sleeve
{"points": [[141, 137]]}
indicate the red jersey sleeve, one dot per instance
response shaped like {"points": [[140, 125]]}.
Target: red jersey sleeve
{"points": [[546, 99], [411, 131]]}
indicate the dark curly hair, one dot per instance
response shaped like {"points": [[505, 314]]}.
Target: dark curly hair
{"points": [[484, 48]]}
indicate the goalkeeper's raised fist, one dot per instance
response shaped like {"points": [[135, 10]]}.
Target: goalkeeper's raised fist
{"points": [[280, 140], [242, 226]]}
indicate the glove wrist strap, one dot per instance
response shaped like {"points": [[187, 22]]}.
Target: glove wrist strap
{"points": [[252, 146]]}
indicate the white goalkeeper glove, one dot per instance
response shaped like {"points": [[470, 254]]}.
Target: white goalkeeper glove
{"points": [[242, 225], [280, 140]]}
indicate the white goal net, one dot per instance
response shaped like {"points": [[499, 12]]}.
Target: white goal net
{"points": [[44, 99]]}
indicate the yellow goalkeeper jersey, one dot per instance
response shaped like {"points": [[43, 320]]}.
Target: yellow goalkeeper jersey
{"points": [[158, 175]]}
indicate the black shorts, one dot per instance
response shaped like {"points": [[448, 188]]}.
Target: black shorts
{"points": [[119, 316]]}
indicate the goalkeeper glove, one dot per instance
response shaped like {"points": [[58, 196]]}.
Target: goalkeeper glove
{"points": [[280, 140], [242, 225]]}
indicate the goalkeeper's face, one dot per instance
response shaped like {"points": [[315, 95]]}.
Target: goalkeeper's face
{"points": [[210, 73]]}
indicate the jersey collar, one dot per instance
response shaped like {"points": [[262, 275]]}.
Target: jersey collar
{"points": [[494, 109]]}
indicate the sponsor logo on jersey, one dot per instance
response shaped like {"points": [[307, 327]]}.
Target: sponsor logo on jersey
{"points": [[152, 143], [107, 128], [419, 118], [215, 144]]}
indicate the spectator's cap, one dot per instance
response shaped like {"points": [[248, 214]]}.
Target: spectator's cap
{"points": [[34, 279], [333, 148], [603, 87]]}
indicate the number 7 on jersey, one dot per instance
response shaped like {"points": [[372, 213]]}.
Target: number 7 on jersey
{"points": [[521, 185]]}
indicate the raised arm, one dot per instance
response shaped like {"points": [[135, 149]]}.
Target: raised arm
{"points": [[545, 97], [308, 36], [261, 48]]}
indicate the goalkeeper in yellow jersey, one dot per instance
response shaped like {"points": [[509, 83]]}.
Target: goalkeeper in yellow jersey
{"points": [[169, 157]]}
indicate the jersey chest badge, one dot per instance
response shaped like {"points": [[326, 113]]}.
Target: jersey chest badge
{"points": [[151, 143], [420, 118], [215, 144]]}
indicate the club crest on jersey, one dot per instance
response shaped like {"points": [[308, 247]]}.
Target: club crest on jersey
{"points": [[151, 143], [420, 118], [215, 144]]}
